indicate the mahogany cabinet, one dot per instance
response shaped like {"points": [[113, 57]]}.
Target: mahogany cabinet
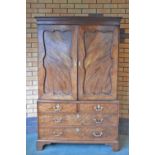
{"points": [[77, 86]]}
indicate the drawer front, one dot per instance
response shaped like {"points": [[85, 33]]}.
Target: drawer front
{"points": [[77, 119], [104, 108], [79, 133], [99, 119], [57, 107]]}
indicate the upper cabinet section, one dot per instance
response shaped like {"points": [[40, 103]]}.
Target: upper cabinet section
{"points": [[78, 58]]}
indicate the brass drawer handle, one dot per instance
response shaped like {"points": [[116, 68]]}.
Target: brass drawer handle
{"points": [[58, 120], [98, 108], [97, 133], [57, 108], [98, 121], [57, 134]]}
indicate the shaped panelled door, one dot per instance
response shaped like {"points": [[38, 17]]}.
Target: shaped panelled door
{"points": [[58, 62], [97, 54]]}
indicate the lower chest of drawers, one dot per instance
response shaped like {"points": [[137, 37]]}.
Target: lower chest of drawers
{"points": [[78, 121]]}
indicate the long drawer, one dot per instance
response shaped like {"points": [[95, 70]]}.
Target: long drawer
{"points": [[77, 119], [79, 133]]}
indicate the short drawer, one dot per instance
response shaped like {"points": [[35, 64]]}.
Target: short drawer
{"points": [[104, 108], [77, 119], [79, 133], [57, 107]]}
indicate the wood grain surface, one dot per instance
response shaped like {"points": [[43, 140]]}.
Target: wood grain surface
{"points": [[47, 120], [58, 62], [98, 62], [79, 133]]}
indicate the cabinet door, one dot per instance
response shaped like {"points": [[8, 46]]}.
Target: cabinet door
{"points": [[97, 66], [57, 62]]}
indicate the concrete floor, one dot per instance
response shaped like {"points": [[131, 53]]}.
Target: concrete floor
{"points": [[75, 149]]}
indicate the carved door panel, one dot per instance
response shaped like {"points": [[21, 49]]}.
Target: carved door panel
{"points": [[57, 62], [97, 66]]}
